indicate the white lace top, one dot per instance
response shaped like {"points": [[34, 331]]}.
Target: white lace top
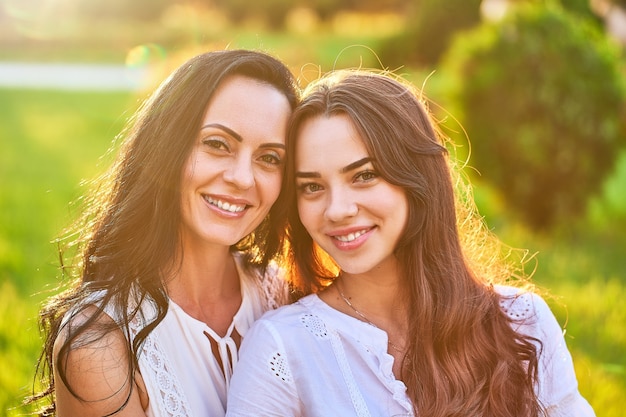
{"points": [[308, 359], [182, 377]]}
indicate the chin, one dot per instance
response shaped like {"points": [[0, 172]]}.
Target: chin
{"points": [[354, 268]]}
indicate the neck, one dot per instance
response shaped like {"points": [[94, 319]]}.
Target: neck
{"points": [[206, 286], [378, 294], [203, 277], [389, 317], [377, 298], [380, 289]]}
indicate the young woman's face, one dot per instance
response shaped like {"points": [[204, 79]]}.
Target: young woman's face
{"points": [[347, 208], [233, 174]]}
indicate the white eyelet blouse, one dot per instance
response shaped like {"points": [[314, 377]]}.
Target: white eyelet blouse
{"points": [[308, 359]]}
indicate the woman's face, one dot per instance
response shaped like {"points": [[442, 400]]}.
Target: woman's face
{"points": [[347, 208], [233, 174]]}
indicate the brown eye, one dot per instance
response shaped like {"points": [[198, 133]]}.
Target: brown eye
{"points": [[215, 143], [366, 176], [309, 188], [271, 159]]}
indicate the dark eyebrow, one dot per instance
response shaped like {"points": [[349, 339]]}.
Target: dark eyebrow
{"points": [[356, 164], [238, 137], [307, 174], [273, 145], [228, 130], [345, 169]]}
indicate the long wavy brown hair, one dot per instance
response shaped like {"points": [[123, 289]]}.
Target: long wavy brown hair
{"points": [[129, 231], [463, 357]]}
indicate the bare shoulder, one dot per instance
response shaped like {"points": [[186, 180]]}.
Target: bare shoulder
{"points": [[97, 374]]}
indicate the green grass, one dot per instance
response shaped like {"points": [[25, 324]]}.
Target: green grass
{"points": [[50, 142]]}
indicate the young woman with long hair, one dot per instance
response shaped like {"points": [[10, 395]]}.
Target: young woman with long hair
{"points": [[403, 319]]}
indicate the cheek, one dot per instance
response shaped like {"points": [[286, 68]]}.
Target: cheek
{"points": [[270, 185], [400, 208]]}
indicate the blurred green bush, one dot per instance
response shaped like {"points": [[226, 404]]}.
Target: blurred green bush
{"points": [[581, 7], [432, 25], [542, 97]]}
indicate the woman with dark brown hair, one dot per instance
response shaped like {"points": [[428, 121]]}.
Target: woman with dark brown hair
{"points": [[403, 319], [176, 246]]}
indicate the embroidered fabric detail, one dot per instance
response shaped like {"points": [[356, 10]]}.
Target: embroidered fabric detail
{"points": [[280, 367], [314, 325], [172, 399], [273, 288], [518, 307], [355, 394]]}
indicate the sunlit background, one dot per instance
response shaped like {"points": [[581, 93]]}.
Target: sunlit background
{"points": [[536, 90]]}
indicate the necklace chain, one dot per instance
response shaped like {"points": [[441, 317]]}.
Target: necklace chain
{"points": [[364, 317]]}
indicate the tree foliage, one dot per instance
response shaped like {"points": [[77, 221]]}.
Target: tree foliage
{"points": [[274, 11], [430, 28], [542, 97], [123, 9]]}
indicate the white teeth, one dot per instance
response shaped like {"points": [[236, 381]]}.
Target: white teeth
{"points": [[350, 237], [233, 208]]}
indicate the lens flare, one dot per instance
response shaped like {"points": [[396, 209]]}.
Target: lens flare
{"points": [[142, 56]]}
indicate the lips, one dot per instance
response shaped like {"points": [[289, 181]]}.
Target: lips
{"points": [[231, 207], [350, 239], [351, 236]]}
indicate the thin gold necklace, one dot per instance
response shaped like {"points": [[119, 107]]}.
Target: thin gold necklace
{"points": [[364, 318]]}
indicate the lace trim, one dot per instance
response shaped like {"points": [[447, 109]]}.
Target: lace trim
{"points": [[317, 328], [358, 402], [273, 287], [172, 400]]}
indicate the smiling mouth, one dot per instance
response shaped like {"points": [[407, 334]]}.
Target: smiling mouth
{"points": [[351, 236], [224, 205]]}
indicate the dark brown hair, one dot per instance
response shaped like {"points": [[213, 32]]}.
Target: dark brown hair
{"points": [[129, 231]]}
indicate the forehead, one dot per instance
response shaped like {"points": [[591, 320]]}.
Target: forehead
{"points": [[249, 107], [328, 142], [238, 89]]}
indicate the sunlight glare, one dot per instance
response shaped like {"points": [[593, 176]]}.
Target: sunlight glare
{"points": [[38, 19]]}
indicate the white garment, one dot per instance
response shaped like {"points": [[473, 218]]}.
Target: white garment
{"points": [[308, 359], [182, 377]]}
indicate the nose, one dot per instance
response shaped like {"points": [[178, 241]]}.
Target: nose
{"points": [[240, 173], [340, 205]]}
